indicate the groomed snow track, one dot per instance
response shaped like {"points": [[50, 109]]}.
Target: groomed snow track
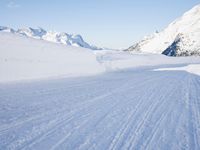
{"points": [[135, 109]]}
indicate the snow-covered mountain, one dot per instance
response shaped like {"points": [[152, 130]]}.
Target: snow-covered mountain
{"points": [[52, 36], [6, 29], [180, 38]]}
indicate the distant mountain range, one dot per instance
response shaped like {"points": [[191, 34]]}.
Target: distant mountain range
{"points": [[57, 37], [180, 38]]}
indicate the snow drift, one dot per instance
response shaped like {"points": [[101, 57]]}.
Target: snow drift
{"points": [[26, 58], [194, 69], [119, 60]]}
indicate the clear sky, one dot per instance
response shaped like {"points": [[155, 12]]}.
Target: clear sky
{"points": [[105, 23]]}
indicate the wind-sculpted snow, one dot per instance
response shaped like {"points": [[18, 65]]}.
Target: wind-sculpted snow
{"points": [[133, 109]]}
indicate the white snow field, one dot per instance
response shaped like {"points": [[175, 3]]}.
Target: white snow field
{"points": [[133, 109], [26, 58], [195, 69], [114, 60], [135, 102]]}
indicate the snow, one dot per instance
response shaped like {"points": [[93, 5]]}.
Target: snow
{"points": [[132, 109], [51, 36], [114, 60], [26, 58], [85, 99], [188, 26], [194, 68], [6, 29]]}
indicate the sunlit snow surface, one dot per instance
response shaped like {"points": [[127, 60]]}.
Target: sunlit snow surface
{"points": [[126, 104], [133, 109], [195, 69], [26, 58], [181, 37]]}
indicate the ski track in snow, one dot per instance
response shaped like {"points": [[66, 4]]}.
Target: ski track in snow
{"points": [[133, 109]]}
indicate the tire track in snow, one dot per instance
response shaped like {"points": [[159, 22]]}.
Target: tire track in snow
{"points": [[5, 128], [94, 113], [164, 114], [175, 118], [58, 122], [145, 82], [106, 114], [194, 113], [126, 103], [149, 112], [125, 127]]}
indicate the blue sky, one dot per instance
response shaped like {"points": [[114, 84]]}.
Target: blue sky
{"points": [[107, 23]]}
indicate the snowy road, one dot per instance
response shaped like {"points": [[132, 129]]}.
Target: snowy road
{"points": [[135, 109]]}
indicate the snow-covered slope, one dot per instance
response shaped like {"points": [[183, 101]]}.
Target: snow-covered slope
{"points": [[52, 36], [180, 38], [6, 29], [139, 109], [27, 58], [194, 69], [114, 60]]}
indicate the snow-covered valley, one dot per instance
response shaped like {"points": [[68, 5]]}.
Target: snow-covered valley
{"points": [[132, 101], [134, 109], [57, 92], [25, 58]]}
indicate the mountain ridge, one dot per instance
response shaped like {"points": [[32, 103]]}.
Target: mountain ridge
{"points": [[188, 26], [51, 36]]}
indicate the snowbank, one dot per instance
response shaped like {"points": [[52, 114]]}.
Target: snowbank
{"points": [[25, 58], [116, 60], [194, 69]]}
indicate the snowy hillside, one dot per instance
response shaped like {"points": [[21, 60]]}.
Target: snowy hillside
{"points": [[138, 109], [52, 36], [180, 38], [27, 58], [136, 102], [119, 60]]}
